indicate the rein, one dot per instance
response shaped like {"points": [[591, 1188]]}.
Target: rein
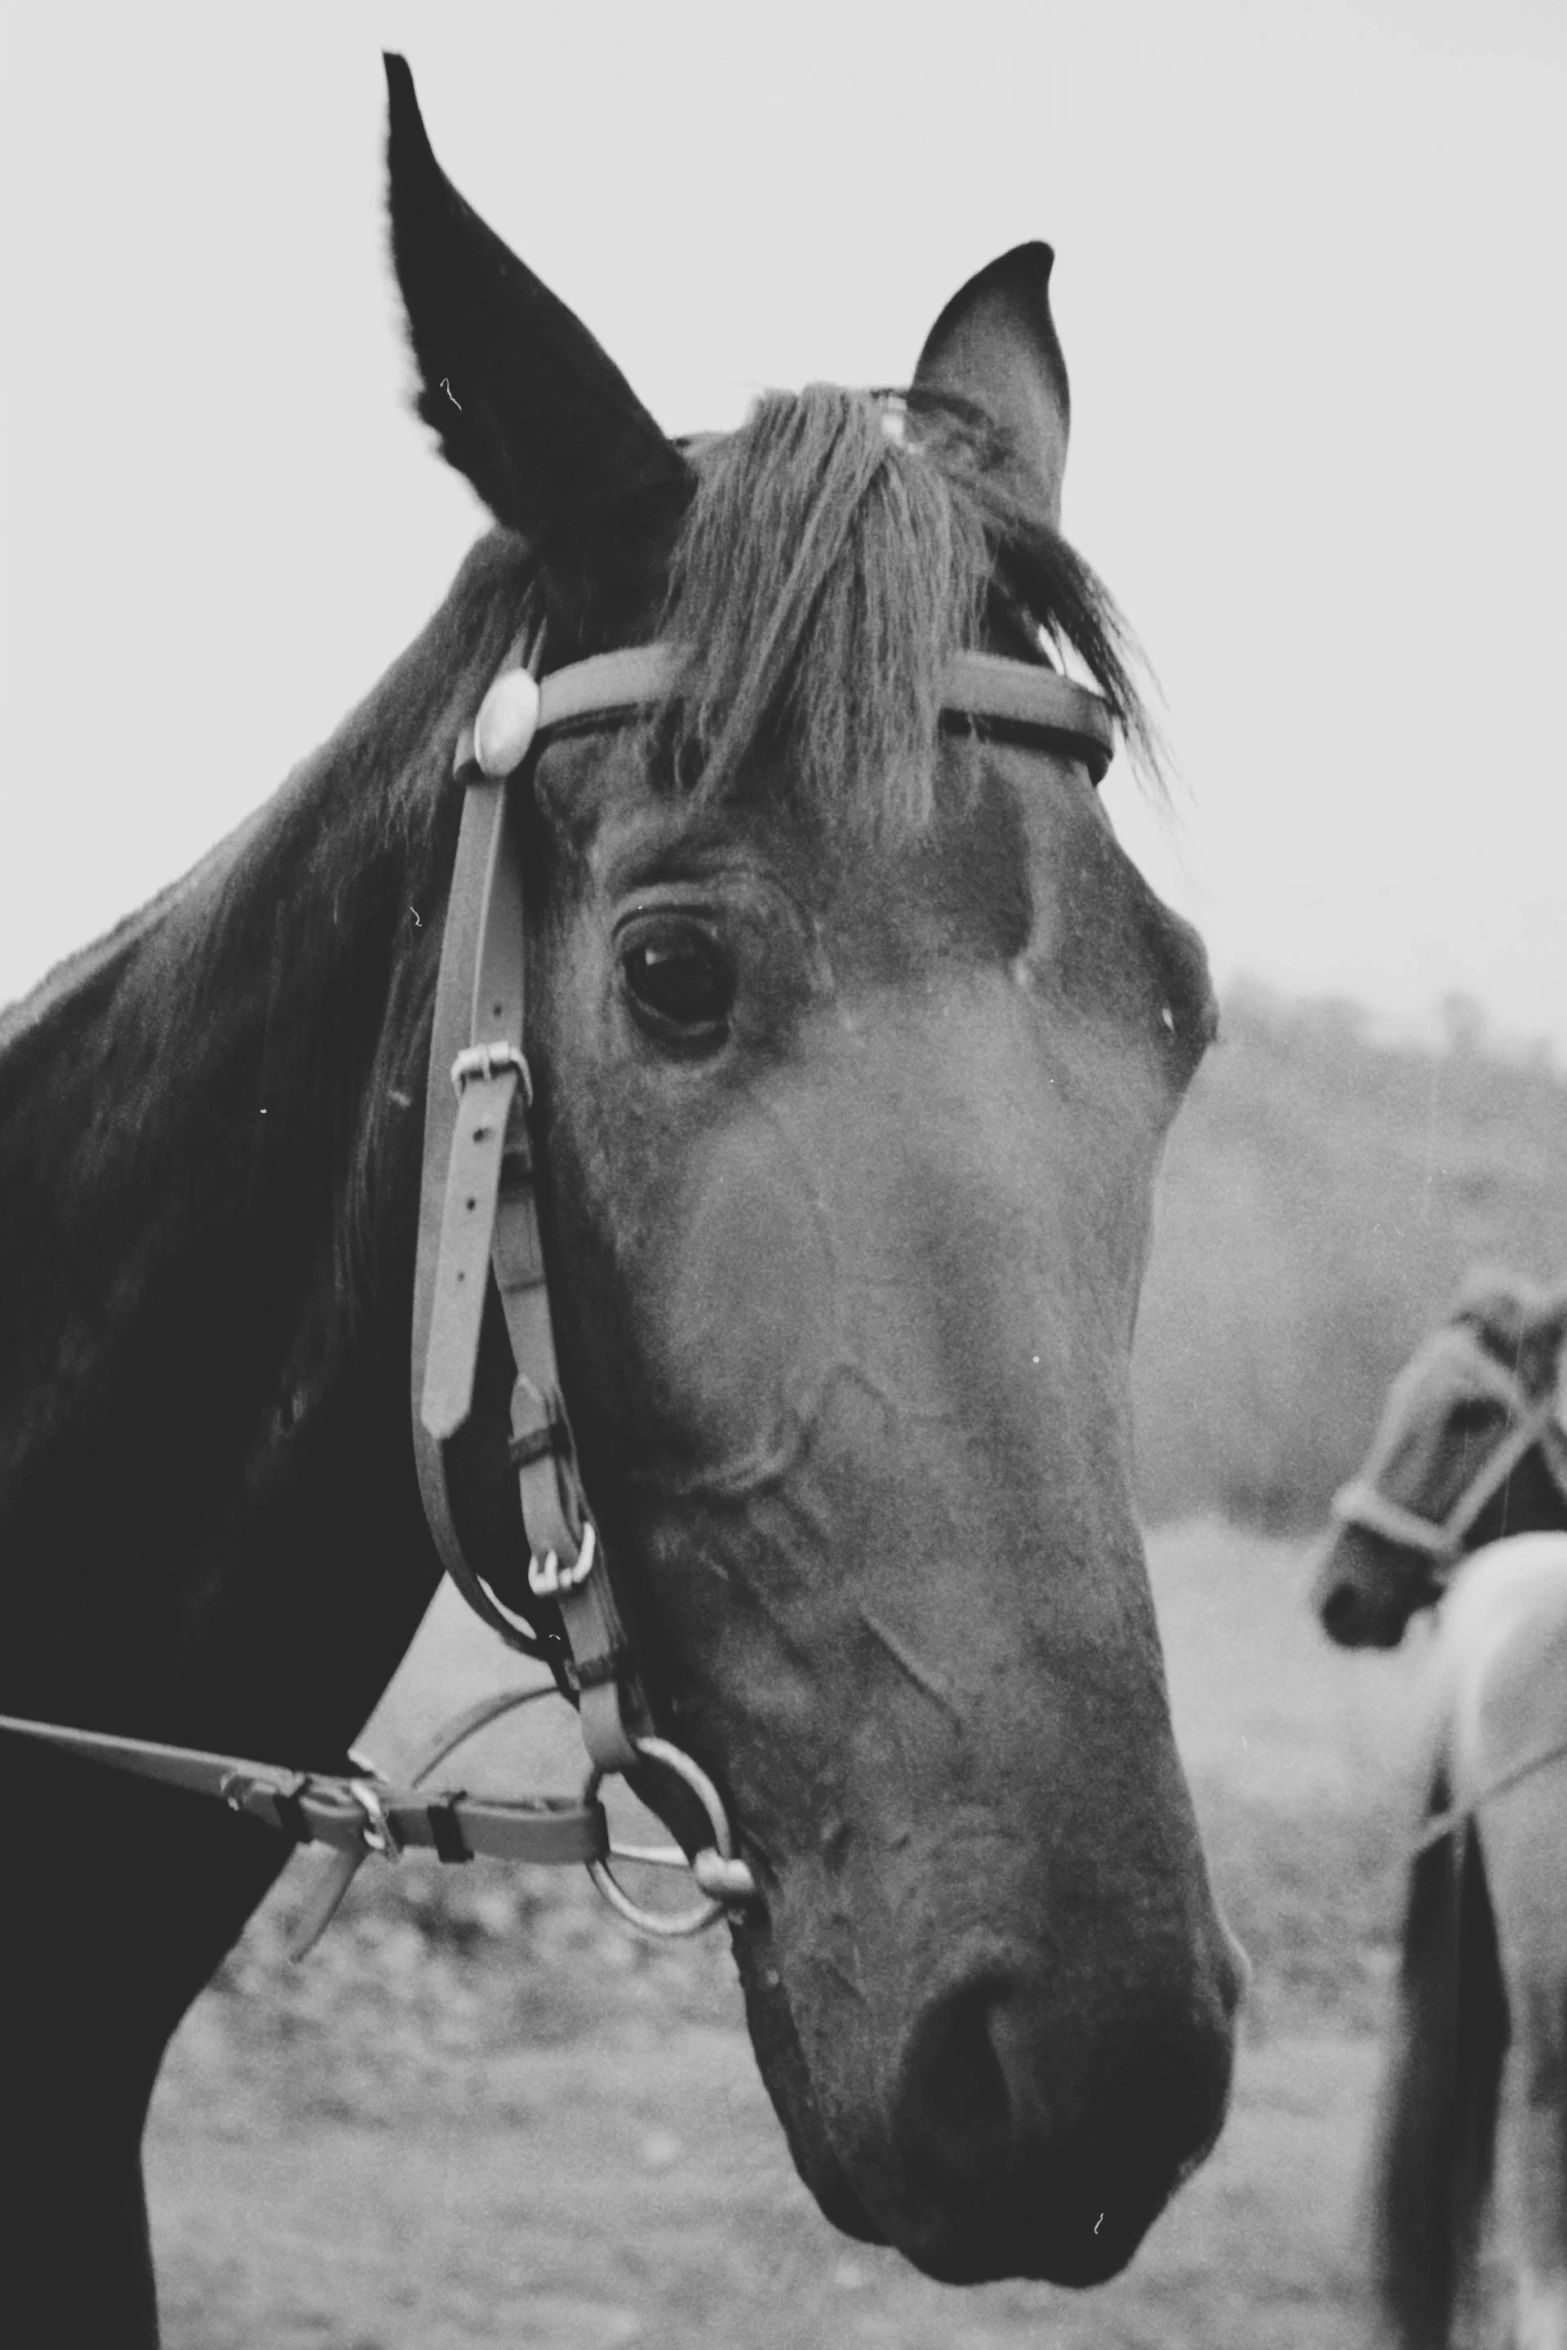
{"points": [[1446, 1823], [478, 1222]]}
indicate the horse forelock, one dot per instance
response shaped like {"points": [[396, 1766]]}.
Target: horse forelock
{"points": [[827, 569]]}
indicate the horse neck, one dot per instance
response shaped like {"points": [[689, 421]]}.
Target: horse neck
{"points": [[1536, 1498], [209, 1148]]}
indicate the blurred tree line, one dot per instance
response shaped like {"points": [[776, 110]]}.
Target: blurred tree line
{"points": [[1322, 1196]]}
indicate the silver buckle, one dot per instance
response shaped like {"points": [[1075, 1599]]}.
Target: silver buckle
{"points": [[378, 1833], [488, 1060], [547, 1578]]}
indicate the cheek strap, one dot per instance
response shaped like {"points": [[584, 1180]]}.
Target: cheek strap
{"points": [[479, 1221]]}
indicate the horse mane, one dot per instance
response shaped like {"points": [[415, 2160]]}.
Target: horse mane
{"points": [[839, 547], [290, 933]]}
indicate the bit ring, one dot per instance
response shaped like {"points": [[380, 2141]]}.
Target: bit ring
{"points": [[721, 1877]]}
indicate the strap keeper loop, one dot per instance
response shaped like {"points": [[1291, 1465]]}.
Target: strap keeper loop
{"points": [[446, 1829], [597, 1672], [551, 1437]]}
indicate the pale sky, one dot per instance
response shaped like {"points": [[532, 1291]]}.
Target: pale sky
{"points": [[1311, 259]]}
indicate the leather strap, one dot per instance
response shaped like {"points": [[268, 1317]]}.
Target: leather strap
{"points": [[1444, 1823], [479, 1214], [993, 690], [445, 1346], [351, 1814], [986, 688]]}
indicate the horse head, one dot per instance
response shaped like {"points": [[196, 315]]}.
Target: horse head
{"points": [[1469, 1449], [854, 1038]]}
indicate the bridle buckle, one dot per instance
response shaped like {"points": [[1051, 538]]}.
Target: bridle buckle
{"points": [[490, 1060], [378, 1833], [547, 1578]]}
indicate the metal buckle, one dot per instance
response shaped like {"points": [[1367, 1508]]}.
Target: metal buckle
{"points": [[488, 1060], [378, 1833], [722, 1879], [547, 1577]]}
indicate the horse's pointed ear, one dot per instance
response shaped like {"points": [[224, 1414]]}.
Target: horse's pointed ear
{"points": [[1544, 1356], [995, 344], [525, 402]]}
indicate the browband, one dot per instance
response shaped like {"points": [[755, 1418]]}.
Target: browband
{"points": [[985, 688]]}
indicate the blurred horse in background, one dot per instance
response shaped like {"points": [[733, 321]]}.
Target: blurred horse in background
{"points": [[1472, 1447]]}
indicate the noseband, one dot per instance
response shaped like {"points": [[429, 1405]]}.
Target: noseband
{"points": [[1442, 1542], [479, 1214]]}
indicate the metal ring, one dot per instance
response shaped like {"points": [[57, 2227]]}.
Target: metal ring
{"points": [[722, 1878]]}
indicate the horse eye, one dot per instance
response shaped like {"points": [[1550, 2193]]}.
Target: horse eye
{"points": [[680, 982]]}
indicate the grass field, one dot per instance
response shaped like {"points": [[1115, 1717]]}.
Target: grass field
{"points": [[482, 2113]]}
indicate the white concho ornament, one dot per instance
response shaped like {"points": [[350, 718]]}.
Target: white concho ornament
{"points": [[508, 717]]}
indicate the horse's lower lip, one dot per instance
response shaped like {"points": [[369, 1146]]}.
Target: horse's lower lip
{"points": [[1004, 2241], [841, 2207]]}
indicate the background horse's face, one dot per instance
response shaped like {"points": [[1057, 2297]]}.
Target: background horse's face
{"points": [[850, 1163], [853, 1054], [1450, 1408]]}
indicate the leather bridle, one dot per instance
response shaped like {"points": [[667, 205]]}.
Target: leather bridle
{"points": [[479, 1202], [479, 1222]]}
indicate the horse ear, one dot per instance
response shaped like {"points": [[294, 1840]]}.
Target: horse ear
{"points": [[1491, 1303], [995, 344], [1544, 1363], [524, 401]]}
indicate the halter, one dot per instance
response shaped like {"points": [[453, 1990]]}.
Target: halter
{"points": [[1534, 1421], [478, 1220]]}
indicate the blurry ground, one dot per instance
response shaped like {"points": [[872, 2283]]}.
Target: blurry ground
{"points": [[482, 2113]]}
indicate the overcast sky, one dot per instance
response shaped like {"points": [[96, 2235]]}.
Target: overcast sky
{"points": [[1311, 260]]}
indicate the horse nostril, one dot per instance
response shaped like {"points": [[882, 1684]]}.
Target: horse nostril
{"points": [[1339, 1611], [1052, 2142], [954, 2108]]}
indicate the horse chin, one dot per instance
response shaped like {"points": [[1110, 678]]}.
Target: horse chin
{"points": [[1059, 2232], [781, 2062]]}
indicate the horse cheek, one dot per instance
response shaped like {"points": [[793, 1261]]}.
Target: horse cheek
{"points": [[745, 1315]]}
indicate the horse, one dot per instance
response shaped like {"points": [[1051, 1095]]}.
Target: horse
{"points": [[1473, 1445], [850, 1041]]}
